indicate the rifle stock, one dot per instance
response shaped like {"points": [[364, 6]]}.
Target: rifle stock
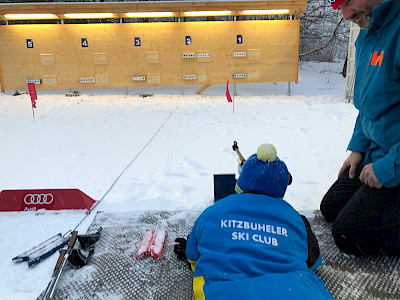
{"points": [[235, 148]]}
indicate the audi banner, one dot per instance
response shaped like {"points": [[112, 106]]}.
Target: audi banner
{"points": [[52, 199]]}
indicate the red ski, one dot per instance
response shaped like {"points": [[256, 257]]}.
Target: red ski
{"points": [[152, 244], [157, 245], [144, 248]]}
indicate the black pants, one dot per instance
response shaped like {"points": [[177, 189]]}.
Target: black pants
{"points": [[365, 220]]}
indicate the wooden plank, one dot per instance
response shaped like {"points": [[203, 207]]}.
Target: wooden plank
{"points": [[150, 6], [271, 47], [202, 89]]}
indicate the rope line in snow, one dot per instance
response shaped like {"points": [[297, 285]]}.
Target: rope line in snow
{"points": [[124, 170]]}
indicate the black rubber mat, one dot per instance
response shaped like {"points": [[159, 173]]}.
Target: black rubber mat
{"points": [[114, 272]]}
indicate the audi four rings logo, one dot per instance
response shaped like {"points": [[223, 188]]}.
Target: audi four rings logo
{"points": [[38, 198]]}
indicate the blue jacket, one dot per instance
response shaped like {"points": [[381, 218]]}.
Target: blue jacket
{"points": [[377, 93], [249, 246]]}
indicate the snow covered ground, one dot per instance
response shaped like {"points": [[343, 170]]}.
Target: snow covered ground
{"points": [[167, 148]]}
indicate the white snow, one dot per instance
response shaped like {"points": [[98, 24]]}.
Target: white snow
{"points": [[167, 148]]}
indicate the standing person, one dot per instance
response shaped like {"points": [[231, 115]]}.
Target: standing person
{"points": [[254, 245], [364, 203]]}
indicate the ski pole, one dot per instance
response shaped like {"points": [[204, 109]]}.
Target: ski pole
{"points": [[235, 148], [55, 273], [59, 267]]}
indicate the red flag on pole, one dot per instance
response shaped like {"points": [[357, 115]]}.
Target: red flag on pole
{"points": [[228, 95], [32, 93]]}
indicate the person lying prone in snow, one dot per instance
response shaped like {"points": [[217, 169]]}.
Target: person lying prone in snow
{"points": [[253, 244]]}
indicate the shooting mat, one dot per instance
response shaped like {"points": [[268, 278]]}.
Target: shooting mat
{"points": [[114, 272]]}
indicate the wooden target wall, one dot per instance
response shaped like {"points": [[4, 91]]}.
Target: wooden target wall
{"points": [[142, 54]]}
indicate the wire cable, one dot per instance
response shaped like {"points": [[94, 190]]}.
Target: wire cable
{"points": [[123, 171]]}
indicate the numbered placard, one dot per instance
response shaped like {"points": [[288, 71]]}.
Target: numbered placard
{"points": [[188, 40], [84, 43], [138, 42], [239, 39], [29, 43]]}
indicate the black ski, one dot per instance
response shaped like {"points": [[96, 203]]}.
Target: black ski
{"points": [[40, 252]]}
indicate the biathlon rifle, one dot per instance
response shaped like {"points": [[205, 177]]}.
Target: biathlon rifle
{"points": [[64, 253], [235, 148]]}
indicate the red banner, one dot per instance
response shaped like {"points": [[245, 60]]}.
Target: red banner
{"points": [[49, 199], [228, 95], [32, 93]]}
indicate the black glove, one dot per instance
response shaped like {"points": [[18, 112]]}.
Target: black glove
{"points": [[179, 248]]}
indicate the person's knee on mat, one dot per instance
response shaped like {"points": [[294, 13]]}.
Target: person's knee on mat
{"points": [[339, 194], [330, 212], [364, 242], [347, 244]]}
